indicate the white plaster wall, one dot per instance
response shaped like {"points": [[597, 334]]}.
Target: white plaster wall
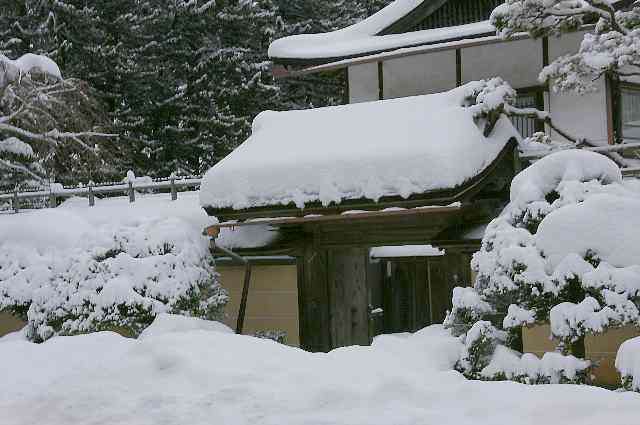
{"points": [[420, 74], [518, 62], [363, 82], [579, 115]]}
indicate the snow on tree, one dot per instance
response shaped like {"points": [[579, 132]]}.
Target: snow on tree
{"points": [[42, 116], [74, 270], [610, 50], [564, 251]]}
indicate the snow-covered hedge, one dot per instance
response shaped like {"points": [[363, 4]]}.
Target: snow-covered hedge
{"points": [[117, 266], [566, 250]]}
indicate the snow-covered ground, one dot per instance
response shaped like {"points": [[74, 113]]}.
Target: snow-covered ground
{"points": [[184, 371]]}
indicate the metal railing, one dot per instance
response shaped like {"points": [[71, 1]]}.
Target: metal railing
{"points": [[57, 192]]}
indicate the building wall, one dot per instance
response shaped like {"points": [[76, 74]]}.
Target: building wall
{"points": [[518, 62], [9, 323], [363, 83], [601, 349], [273, 299], [419, 74]]}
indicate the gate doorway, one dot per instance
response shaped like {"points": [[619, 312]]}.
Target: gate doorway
{"points": [[409, 293]]}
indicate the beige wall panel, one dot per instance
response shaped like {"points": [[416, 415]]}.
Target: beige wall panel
{"points": [[273, 299], [420, 74], [604, 348], [363, 83], [601, 349], [518, 62], [9, 323]]}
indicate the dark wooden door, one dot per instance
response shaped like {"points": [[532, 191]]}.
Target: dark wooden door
{"points": [[406, 295]]}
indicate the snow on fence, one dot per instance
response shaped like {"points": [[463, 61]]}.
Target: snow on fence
{"points": [[129, 187], [627, 171]]}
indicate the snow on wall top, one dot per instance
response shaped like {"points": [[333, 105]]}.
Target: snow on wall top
{"points": [[396, 147], [405, 251], [362, 37]]}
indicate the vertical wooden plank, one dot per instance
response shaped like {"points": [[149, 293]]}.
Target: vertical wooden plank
{"points": [[438, 286], [458, 67], [348, 296], [380, 81], [421, 295], [375, 276], [313, 300]]}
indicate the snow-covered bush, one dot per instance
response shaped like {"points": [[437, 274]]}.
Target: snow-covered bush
{"points": [[72, 270], [628, 364], [566, 250]]}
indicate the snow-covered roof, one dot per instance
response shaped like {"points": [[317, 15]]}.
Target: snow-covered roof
{"points": [[365, 37], [397, 147]]}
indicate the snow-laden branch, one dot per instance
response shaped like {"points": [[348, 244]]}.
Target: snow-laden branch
{"points": [[612, 49]]}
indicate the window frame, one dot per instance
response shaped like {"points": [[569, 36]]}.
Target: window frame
{"points": [[615, 92], [538, 93]]}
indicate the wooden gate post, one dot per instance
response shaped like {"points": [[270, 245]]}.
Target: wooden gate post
{"points": [[174, 191], [92, 199], [132, 194], [16, 201], [53, 202]]}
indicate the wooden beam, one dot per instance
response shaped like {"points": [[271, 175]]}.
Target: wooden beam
{"points": [[458, 67], [288, 221], [380, 81]]}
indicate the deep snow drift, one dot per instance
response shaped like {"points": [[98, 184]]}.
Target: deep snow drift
{"points": [[195, 372]]}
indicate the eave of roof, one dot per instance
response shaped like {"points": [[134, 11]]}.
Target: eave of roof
{"points": [[435, 198]]}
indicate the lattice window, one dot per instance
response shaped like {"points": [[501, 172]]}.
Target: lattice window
{"points": [[459, 12], [630, 113], [528, 99]]}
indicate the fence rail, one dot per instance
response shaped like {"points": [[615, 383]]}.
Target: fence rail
{"points": [[57, 192]]}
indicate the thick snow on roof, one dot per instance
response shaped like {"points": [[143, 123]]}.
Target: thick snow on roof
{"points": [[396, 147], [362, 38]]}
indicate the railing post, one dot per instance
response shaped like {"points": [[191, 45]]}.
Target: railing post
{"points": [[132, 194], [174, 191], [16, 201], [53, 202], [92, 199]]}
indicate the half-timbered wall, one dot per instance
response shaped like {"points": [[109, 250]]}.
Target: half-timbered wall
{"points": [[519, 62], [363, 83], [419, 74]]}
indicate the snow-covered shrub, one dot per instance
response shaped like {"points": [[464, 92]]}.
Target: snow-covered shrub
{"points": [[73, 274], [552, 368], [566, 250], [628, 364], [480, 343]]}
